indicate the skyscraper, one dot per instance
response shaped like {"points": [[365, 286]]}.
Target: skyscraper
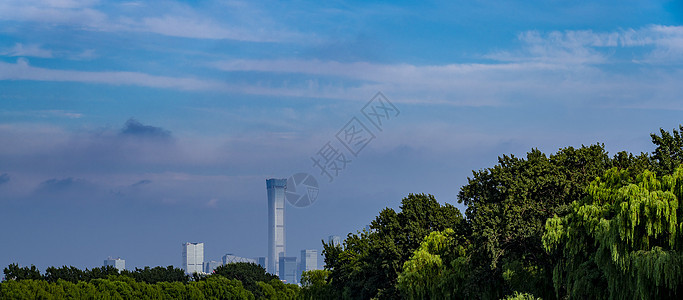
{"points": [[308, 262], [276, 223], [287, 266], [193, 257], [117, 263]]}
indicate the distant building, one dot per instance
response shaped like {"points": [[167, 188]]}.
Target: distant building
{"points": [[193, 258], [209, 266], [308, 262], [276, 222], [230, 258], [118, 263], [334, 240], [262, 261], [288, 269]]}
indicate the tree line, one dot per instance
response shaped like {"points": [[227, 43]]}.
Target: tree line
{"points": [[575, 224]]}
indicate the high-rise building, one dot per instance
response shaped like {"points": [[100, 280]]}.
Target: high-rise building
{"points": [[288, 269], [262, 261], [193, 257], [334, 240], [231, 258], [308, 262], [209, 266], [276, 222], [117, 263]]}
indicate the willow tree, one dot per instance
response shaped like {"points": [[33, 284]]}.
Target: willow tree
{"points": [[623, 240]]}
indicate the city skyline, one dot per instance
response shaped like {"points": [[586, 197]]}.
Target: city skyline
{"points": [[130, 127]]}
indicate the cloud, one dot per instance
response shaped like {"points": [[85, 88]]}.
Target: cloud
{"points": [[135, 128], [141, 183], [4, 178], [23, 71], [28, 50]]}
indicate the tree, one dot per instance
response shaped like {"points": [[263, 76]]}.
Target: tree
{"points": [[316, 285], [248, 273], [369, 263], [669, 152], [507, 206], [437, 269], [623, 240], [14, 272], [157, 274]]}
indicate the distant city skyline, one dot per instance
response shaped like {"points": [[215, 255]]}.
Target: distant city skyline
{"points": [[129, 127]]}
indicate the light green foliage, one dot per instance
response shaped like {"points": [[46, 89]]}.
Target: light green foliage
{"points": [[521, 296], [625, 235], [436, 269], [369, 263], [316, 285]]}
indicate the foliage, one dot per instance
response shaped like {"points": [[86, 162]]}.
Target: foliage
{"points": [[521, 296], [369, 263], [316, 285], [122, 287], [507, 206], [669, 152], [14, 272], [248, 273], [626, 233], [436, 269]]}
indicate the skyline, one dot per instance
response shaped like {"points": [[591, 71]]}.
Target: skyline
{"points": [[130, 127]]}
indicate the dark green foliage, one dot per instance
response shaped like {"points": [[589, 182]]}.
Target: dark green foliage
{"points": [[248, 273], [507, 206], [14, 272], [158, 274], [73, 274], [369, 263], [669, 152]]}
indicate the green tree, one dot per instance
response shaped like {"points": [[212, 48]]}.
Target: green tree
{"points": [[507, 206], [669, 152], [248, 273], [437, 269], [316, 285], [369, 263], [14, 272], [623, 240]]}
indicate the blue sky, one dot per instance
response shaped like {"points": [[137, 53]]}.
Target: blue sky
{"points": [[127, 128]]}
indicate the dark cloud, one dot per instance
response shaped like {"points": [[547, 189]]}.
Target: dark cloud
{"points": [[141, 183], [134, 128], [4, 178], [60, 185]]}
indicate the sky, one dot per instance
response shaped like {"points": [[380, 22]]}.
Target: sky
{"points": [[129, 128]]}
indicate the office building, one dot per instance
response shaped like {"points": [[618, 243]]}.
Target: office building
{"points": [[276, 222], [210, 266], [262, 261], [334, 240], [193, 258], [288, 269], [231, 258], [118, 263], [308, 262]]}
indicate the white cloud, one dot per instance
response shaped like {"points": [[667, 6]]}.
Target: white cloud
{"points": [[32, 50], [23, 71]]}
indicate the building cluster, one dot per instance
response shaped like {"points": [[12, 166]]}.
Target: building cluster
{"points": [[287, 268]]}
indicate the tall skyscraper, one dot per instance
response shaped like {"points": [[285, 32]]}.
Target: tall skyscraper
{"points": [[117, 263], [193, 257], [308, 262], [288, 269], [276, 223]]}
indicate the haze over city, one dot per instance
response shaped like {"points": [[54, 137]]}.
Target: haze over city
{"points": [[129, 128]]}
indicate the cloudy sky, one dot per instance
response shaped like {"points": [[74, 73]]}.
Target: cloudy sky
{"points": [[127, 128]]}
